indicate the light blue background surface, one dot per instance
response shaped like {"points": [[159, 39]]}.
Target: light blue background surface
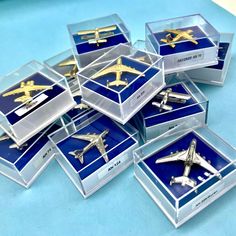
{"points": [[52, 206]]}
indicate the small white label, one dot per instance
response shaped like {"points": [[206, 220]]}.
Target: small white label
{"points": [[110, 167], [31, 105], [138, 97], [43, 157], [208, 197], [190, 58]]}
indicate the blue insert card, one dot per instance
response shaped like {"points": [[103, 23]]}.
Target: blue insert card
{"points": [[21, 156], [165, 171], [8, 106], [117, 140], [223, 49], [153, 116], [133, 83], [201, 38], [83, 46]]}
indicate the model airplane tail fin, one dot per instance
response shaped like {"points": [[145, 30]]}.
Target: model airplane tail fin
{"points": [[183, 180], [78, 154], [162, 106]]}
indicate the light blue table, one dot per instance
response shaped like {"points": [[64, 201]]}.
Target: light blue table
{"points": [[52, 206]]}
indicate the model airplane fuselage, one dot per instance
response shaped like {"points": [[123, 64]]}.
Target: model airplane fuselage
{"points": [[189, 157], [97, 36], [81, 105], [179, 35], [95, 140], [169, 96], [27, 89], [118, 69], [72, 64]]}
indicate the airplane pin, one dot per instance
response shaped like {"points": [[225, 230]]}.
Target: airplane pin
{"points": [[98, 34], [118, 69], [180, 35], [94, 140], [80, 106], [27, 88], [70, 63], [14, 145], [169, 96], [189, 157]]}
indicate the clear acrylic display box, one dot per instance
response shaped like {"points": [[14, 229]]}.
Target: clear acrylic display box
{"points": [[92, 38], [65, 64], [96, 168], [141, 79], [31, 98], [80, 107], [181, 54], [152, 121], [215, 75], [181, 202], [23, 164]]}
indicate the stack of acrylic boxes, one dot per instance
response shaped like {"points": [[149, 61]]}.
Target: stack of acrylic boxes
{"points": [[104, 102], [33, 100]]}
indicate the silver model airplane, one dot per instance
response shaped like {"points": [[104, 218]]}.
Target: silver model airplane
{"points": [[118, 69], [14, 145], [169, 96], [180, 35], [94, 140], [97, 36], [189, 157]]}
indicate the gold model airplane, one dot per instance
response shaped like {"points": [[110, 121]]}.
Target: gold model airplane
{"points": [[27, 88], [94, 140], [14, 145], [70, 63], [180, 35], [98, 34], [118, 69], [80, 106]]}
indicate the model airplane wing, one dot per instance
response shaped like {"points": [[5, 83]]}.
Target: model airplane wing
{"points": [[179, 156], [13, 92], [173, 31], [40, 87], [111, 69], [70, 62], [162, 106], [107, 29], [81, 106], [203, 163], [102, 149], [85, 137], [131, 70], [84, 32]]}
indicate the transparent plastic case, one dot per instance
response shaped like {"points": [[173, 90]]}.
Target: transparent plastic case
{"points": [[215, 75], [24, 163], [122, 81], [153, 120], [65, 64], [31, 98], [80, 107], [92, 38], [186, 43], [168, 184], [93, 163]]}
